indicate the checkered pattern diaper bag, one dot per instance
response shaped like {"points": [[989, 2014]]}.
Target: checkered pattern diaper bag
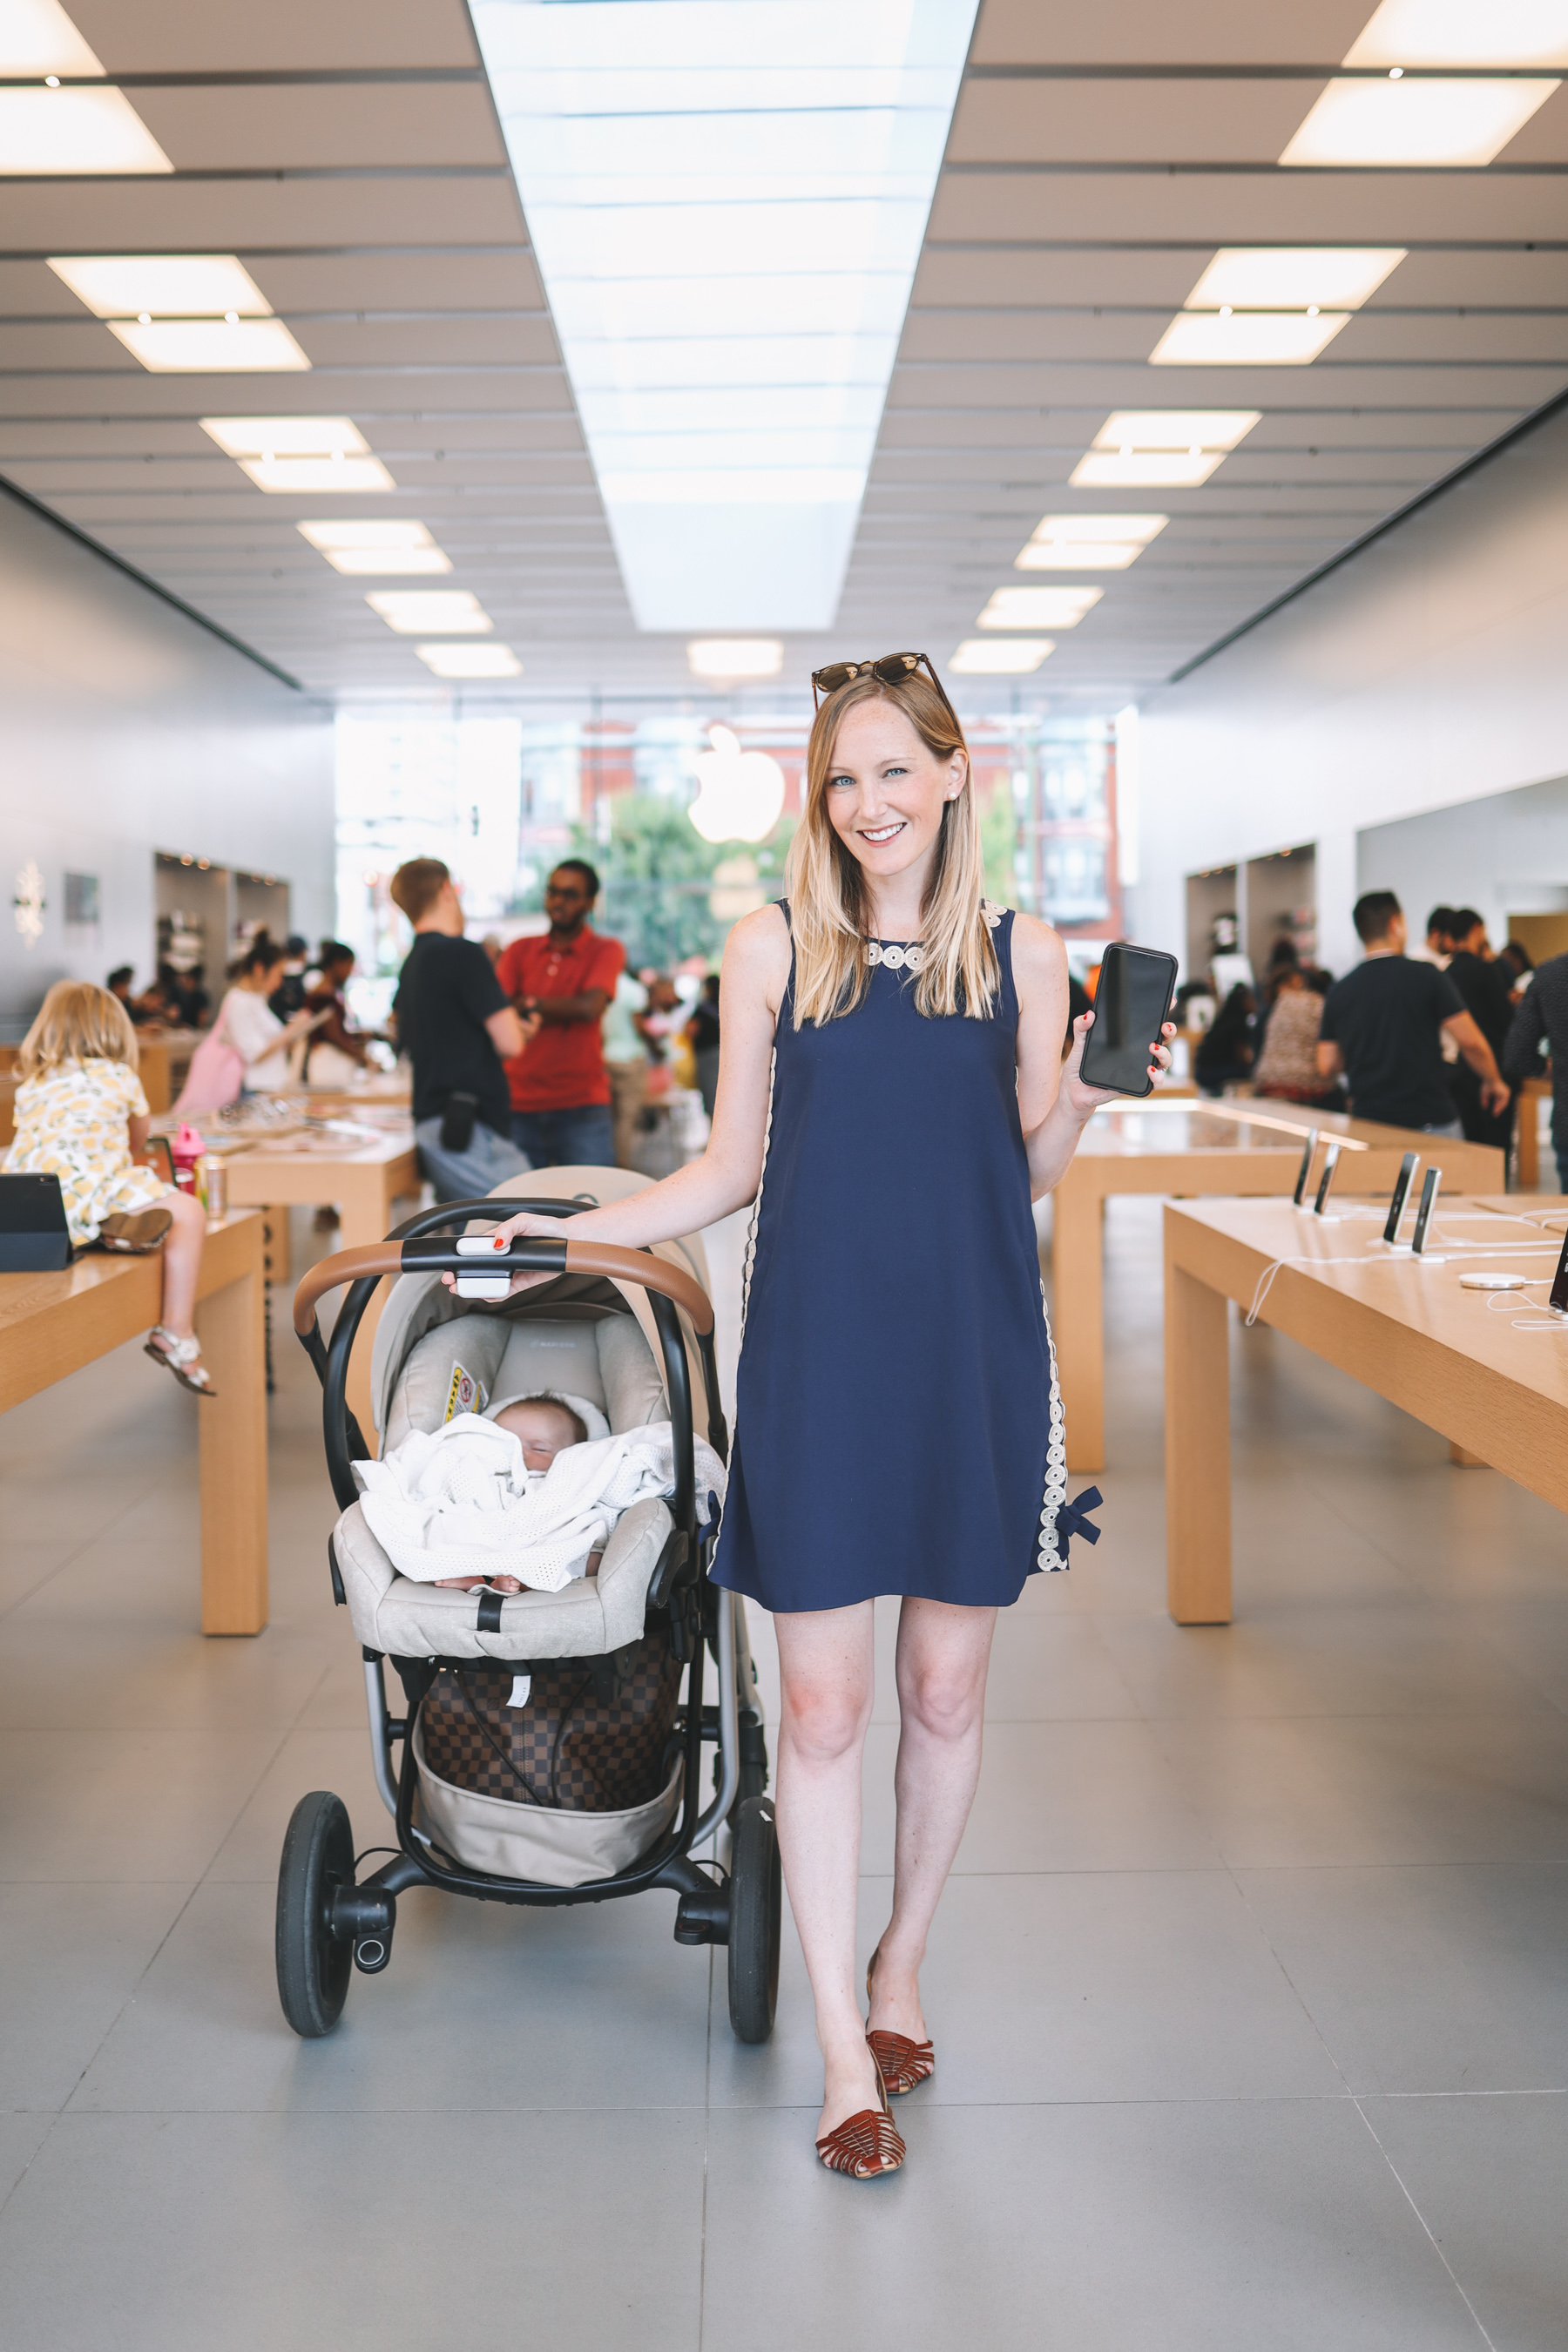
{"points": [[589, 1737]]}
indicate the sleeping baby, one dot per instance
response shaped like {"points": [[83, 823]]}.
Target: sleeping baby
{"points": [[543, 1427]]}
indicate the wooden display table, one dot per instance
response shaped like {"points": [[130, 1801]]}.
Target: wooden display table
{"points": [[362, 1180], [1402, 1327], [1230, 1146], [52, 1324]]}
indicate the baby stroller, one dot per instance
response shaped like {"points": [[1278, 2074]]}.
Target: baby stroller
{"points": [[629, 1333]]}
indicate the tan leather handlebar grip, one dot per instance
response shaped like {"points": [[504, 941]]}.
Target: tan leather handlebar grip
{"points": [[582, 1257]]}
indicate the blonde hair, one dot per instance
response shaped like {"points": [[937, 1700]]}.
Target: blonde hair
{"points": [[77, 1023], [828, 902]]}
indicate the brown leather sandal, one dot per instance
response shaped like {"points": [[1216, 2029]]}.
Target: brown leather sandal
{"points": [[903, 2065], [864, 2145], [138, 1232]]}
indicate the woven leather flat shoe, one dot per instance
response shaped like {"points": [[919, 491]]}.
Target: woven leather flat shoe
{"points": [[903, 2065], [864, 2145]]}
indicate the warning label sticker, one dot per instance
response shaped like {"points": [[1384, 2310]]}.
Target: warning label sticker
{"points": [[466, 1394]]}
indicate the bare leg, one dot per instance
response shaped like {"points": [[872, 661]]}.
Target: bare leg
{"points": [[944, 1654], [182, 1261], [825, 1660]]}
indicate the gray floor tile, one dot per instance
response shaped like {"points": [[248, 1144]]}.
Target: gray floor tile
{"points": [[482, 2007], [1206, 2227], [1486, 2175], [178, 2233], [1428, 1980], [121, 1676], [21, 2138], [24, 1567], [1056, 1795], [89, 1804], [1305, 1791], [301, 1761], [71, 1955]]}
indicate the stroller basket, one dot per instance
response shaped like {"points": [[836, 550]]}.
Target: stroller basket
{"points": [[626, 1335]]}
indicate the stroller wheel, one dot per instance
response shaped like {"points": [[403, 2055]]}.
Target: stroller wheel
{"points": [[756, 1913], [313, 1966]]}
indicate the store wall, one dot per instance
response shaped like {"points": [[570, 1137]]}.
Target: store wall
{"points": [[1506, 855], [1426, 672], [126, 728]]}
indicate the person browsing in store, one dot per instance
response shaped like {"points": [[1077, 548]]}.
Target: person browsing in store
{"points": [[458, 1031], [1381, 1026], [561, 1114]]}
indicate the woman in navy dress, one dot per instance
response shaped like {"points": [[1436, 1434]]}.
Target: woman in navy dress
{"points": [[891, 1095]]}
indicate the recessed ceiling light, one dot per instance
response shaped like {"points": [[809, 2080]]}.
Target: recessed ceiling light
{"points": [[229, 346], [431, 612], [74, 130], [162, 285], [1088, 542], [1412, 122], [286, 437], [1176, 428], [36, 36], [1247, 338], [376, 547], [470, 661], [725, 657], [313, 477], [1458, 33], [1145, 469], [1291, 277], [1000, 657], [1038, 608]]}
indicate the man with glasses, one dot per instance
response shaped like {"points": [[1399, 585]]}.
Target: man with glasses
{"points": [[560, 1090]]}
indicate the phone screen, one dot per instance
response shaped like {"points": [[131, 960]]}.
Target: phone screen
{"points": [[1306, 1168], [1433, 1176], [1330, 1162], [1559, 1298], [1408, 1168], [1130, 1006]]}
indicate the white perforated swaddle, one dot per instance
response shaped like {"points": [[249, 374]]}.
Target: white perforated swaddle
{"points": [[459, 1501]]}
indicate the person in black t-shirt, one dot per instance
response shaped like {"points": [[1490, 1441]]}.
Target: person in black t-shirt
{"points": [[702, 1029], [456, 1026], [1382, 1024], [1486, 985]]}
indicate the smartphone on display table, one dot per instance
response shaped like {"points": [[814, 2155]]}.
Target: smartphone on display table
{"points": [[1433, 1178], [1558, 1302], [1305, 1170], [1402, 1184], [1330, 1162], [1132, 1006]]}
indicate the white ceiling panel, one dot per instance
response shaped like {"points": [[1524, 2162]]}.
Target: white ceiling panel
{"points": [[1120, 121], [285, 37], [1155, 32], [332, 126], [1353, 207], [300, 283]]}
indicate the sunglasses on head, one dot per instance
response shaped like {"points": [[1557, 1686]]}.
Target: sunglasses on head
{"points": [[891, 670]]}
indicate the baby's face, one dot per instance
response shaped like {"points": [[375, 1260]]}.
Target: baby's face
{"points": [[542, 1431]]}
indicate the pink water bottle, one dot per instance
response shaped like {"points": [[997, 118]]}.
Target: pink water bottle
{"points": [[186, 1150]]}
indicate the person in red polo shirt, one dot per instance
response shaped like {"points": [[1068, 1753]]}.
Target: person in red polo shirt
{"points": [[560, 1090]]}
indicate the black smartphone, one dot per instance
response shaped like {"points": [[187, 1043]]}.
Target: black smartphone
{"points": [[1408, 1168], [1132, 1006], [1430, 1182], [1558, 1302], [1330, 1162], [1305, 1170]]}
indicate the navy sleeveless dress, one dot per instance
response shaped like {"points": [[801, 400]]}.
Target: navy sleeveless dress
{"points": [[899, 1426]]}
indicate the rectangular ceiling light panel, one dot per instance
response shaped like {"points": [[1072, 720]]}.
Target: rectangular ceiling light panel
{"points": [[1161, 448], [470, 661], [1460, 33], [1230, 337], [431, 612], [164, 285], [1000, 657], [1088, 542], [1410, 122], [1038, 608], [376, 547], [210, 346], [727, 204], [74, 130], [36, 38], [1293, 278], [286, 455]]}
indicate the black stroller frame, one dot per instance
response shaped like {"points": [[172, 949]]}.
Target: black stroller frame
{"points": [[329, 1922]]}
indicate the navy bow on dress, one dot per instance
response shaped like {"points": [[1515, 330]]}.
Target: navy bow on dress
{"points": [[1073, 1519]]}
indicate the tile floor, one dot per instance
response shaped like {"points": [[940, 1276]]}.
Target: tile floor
{"points": [[1250, 1990]]}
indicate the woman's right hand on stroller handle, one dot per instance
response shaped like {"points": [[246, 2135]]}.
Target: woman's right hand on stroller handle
{"points": [[526, 1227]]}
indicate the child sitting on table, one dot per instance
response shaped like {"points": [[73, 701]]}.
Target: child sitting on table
{"points": [[81, 1116]]}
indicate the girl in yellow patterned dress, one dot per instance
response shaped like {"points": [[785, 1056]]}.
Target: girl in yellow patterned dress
{"points": [[81, 1116]]}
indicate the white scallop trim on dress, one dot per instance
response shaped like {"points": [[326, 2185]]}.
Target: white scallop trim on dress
{"points": [[1051, 1560], [747, 1262], [911, 958]]}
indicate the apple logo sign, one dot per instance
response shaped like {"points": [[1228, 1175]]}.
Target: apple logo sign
{"points": [[739, 794]]}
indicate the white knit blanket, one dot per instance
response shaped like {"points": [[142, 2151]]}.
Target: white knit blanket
{"points": [[459, 1501]]}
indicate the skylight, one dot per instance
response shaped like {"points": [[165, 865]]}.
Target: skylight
{"points": [[727, 204]]}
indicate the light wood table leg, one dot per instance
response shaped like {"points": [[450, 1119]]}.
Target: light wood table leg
{"points": [[1463, 1461], [1078, 1318], [1197, 1450], [233, 1427], [277, 1242], [1527, 1126]]}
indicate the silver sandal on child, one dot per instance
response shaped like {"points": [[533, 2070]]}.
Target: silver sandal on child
{"points": [[180, 1356]]}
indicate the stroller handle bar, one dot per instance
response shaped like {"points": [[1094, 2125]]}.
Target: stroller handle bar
{"points": [[430, 1254]]}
